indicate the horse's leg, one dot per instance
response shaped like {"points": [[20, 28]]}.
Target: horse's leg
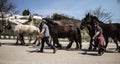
{"points": [[70, 44], [35, 40], [38, 41], [30, 39], [22, 39], [0, 43], [90, 45], [55, 41], [115, 40], [77, 44], [106, 41], [17, 40], [80, 41], [76, 41]]}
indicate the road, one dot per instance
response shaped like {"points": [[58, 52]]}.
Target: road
{"points": [[12, 54]]}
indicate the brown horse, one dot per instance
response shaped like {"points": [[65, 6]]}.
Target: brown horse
{"points": [[109, 30], [91, 32], [57, 31]]}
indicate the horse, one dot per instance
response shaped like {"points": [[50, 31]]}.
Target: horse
{"points": [[109, 30], [91, 32], [21, 30], [31, 20], [58, 31]]}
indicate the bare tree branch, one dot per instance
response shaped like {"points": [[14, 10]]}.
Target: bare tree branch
{"points": [[6, 6], [101, 14]]}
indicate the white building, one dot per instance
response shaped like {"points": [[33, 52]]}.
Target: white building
{"points": [[19, 18]]}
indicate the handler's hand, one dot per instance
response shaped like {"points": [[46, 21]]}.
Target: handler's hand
{"points": [[38, 36], [93, 38]]}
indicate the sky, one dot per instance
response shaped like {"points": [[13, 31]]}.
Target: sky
{"points": [[73, 8]]}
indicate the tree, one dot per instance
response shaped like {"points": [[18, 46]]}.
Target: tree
{"points": [[26, 12], [5, 7], [57, 16], [118, 1], [101, 14]]}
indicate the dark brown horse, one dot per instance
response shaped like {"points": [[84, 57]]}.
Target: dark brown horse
{"points": [[69, 32], [91, 32], [109, 30]]}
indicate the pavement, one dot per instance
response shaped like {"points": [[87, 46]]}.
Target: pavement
{"points": [[16, 54]]}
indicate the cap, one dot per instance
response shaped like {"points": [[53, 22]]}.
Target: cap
{"points": [[44, 21]]}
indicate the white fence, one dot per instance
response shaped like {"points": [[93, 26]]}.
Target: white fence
{"points": [[15, 37], [11, 37]]}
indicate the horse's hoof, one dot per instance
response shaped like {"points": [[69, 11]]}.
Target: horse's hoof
{"points": [[22, 44], [67, 48], [105, 50], [94, 49], [38, 44], [59, 47], [89, 49], [99, 54], [80, 47], [117, 49], [15, 43], [76, 48], [27, 44], [34, 43]]}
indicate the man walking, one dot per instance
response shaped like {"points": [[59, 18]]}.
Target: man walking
{"points": [[46, 36]]}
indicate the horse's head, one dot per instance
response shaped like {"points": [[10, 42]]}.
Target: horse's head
{"points": [[83, 25], [89, 20], [86, 21], [7, 25]]}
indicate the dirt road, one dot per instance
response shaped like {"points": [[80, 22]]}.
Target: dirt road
{"points": [[11, 54]]}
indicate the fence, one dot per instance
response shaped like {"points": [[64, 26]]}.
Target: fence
{"points": [[8, 35], [11, 37]]}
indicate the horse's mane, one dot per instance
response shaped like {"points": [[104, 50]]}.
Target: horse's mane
{"points": [[94, 17], [14, 22], [50, 21]]}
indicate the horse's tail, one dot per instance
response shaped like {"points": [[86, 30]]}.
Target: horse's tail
{"points": [[78, 31], [79, 38], [119, 28], [78, 35]]}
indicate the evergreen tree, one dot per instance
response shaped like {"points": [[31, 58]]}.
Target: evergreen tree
{"points": [[26, 12]]}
